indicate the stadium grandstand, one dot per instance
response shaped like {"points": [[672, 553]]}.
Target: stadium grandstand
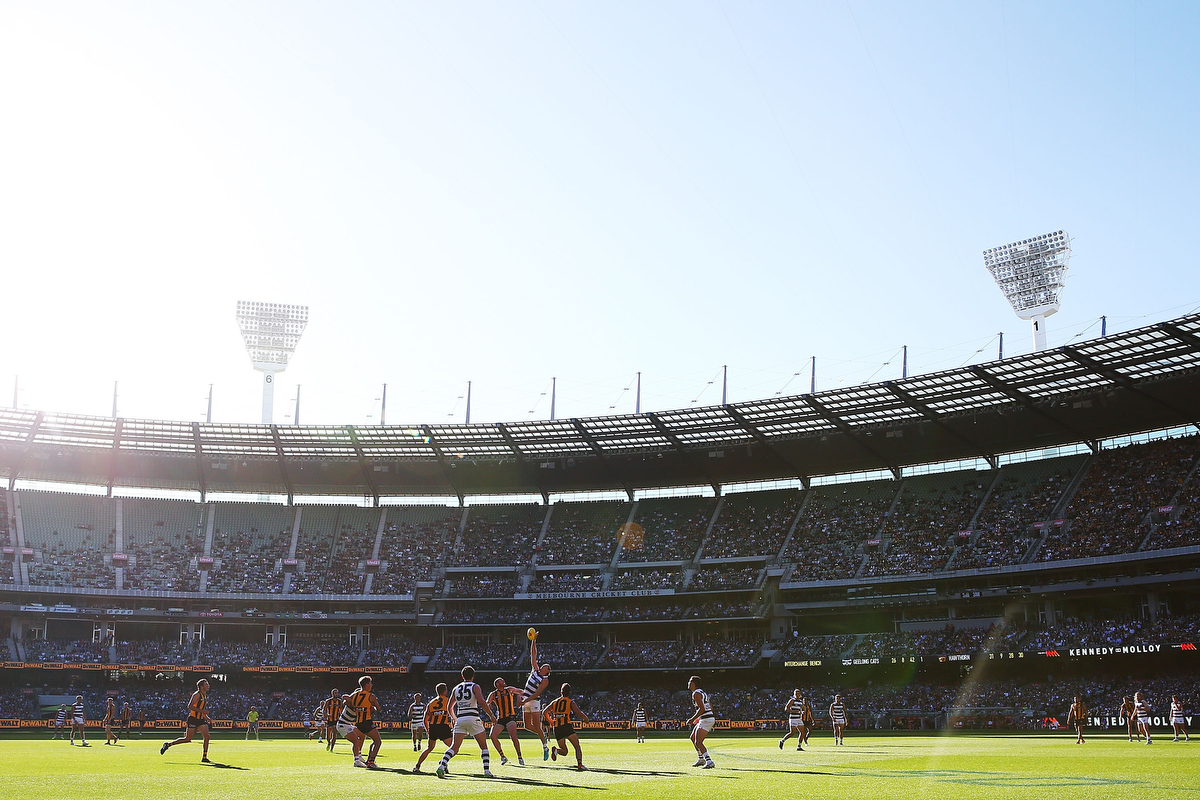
{"points": [[1025, 515]]}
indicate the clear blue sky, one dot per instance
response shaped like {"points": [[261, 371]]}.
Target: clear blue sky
{"points": [[505, 192]]}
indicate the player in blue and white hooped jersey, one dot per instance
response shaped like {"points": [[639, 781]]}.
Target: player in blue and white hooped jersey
{"points": [[639, 722], [1142, 709], [703, 719], [1179, 719], [839, 717], [468, 704], [60, 721], [78, 722], [535, 685], [794, 709]]}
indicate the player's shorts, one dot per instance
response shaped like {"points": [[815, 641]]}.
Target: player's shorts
{"points": [[417, 726], [532, 707], [439, 731], [196, 722], [839, 720], [468, 726], [366, 726], [564, 731], [77, 721], [1178, 721], [795, 722], [706, 723], [1144, 720], [344, 730], [503, 721]]}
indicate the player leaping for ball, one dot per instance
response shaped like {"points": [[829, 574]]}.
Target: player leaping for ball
{"points": [[704, 719], [794, 709], [535, 684]]}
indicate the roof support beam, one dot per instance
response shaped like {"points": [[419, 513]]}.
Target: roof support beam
{"points": [[112, 459], [33, 432], [287, 480], [437, 449], [599, 451], [522, 460], [1024, 400], [762, 439], [854, 436], [936, 418], [1190, 339], [200, 475], [687, 454], [1123, 380], [362, 463]]}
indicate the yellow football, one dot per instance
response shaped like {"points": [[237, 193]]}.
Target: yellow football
{"points": [[532, 634]]}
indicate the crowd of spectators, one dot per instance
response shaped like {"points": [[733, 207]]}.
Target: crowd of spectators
{"points": [[753, 524], [481, 656], [391, 651], [671, 529], [245, 561], [583, 533], [565, 655], [484, 584], [221, 653], [155, 651], [724, 578], [66, 651], [718, 652], [1109, 512], [412, 549], [641, 655], [567, 582], [837, 520], [496, 536], [1025, 494], [634, 579], [718, 609], [319, 653], [61, 565], [819, 647], [909, 553]]}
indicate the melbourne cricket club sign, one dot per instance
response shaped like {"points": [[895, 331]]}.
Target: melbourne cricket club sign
{"points": [[591, 595]]}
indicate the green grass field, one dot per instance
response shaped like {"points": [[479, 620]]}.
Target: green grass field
{"points": [[752, 766]]}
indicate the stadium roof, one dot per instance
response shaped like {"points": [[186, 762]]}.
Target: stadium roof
{"points": [[1139, 380]]}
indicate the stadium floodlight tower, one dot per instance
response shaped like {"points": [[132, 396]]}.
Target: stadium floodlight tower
{"points": [[1031, 273], [271, 332]]}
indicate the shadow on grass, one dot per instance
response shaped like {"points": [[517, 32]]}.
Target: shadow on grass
{"points": [[610, 771], [782, 771], [219, 765]]}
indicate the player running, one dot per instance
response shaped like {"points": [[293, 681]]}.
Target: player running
{"points": [[1142, 709], [468, 703], [78, 722], [562, 714], [504, 702], [316, 721], [366, 708], [703, 719], [1179, 719], [1078, 717], [198, 720], [252, 723], [1128, 715], [639, 722], [535, 684], [333, 710], [416, 721], [110, 716], [60, 721], [437, 721], [837, 715], [794, 709]]}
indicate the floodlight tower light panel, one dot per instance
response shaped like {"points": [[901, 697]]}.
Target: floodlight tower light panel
{"points": [[1032, 273], [270, 332]]}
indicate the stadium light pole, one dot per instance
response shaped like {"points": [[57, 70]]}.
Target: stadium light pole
{"points": [[553, 397], [270, 332], [1031, 272], [383, 407], [208, 415], [637, 403]]}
